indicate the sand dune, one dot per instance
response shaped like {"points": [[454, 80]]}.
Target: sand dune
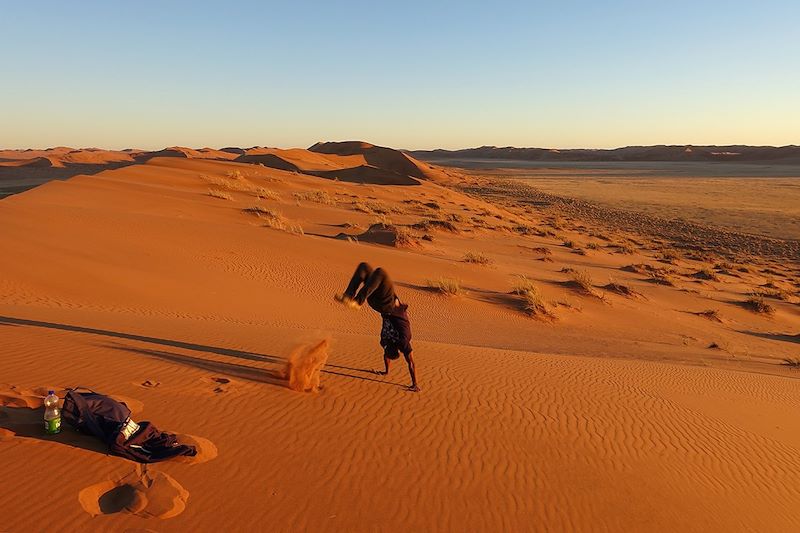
{"points": [[185, 284]]}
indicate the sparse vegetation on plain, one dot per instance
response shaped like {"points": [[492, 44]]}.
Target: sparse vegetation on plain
{"points": [[532, 300], [222, 195], [446, 286], [274, 219], [710, 314], [706, 274], [318, 197], [622, 289], [477, 258], [756, 303]]}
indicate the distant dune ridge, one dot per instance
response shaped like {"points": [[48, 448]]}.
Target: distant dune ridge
{"points": [[729, 153]]}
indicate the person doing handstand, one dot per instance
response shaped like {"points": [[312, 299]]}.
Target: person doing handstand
{"points": [[378, 291]]}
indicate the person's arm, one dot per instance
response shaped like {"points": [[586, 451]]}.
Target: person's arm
{"points": [[412, 372]]}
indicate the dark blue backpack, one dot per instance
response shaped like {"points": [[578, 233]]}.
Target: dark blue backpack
{"points": [[95, 414], [110, 421]]}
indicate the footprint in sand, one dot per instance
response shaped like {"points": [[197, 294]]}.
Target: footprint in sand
{"points": [[13, 396], [149, 384], [221, 384], [206, 450], [147, 494]]}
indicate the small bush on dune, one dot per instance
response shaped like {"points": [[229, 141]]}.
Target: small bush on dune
{"points": [[622, 289], [371, 206], [222, 195], [710, 314], [532, 299], [582, 280], [476, 258], [791, 362], [446, 286], [669, 256], [319, 197], [756, 303], [706, 274], [274, 219], [267, 194], [235, 174], [570, 244], [593, 246]]}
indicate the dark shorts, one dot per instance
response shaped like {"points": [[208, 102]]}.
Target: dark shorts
{"points": [[396, 332]]}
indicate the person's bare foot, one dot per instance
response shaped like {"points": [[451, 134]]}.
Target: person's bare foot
{"points": [[413, 388], [380, 372]]}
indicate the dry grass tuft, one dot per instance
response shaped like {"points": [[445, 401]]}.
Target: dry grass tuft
{"points": [[371, 206], [532, 299], [669, 256], [791, 362], [583, 281], [622, 289], [433, 224], [476, 258], [267, 194], [222, 195], [706, 274], [710, 314], [318, 197], [446, 286], [756, 303], [274, 219]]}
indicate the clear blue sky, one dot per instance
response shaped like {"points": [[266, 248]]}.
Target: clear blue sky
{"points": [[406, 74]]}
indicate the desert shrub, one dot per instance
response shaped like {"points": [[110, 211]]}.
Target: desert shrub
{"points": [[669, 256], [371, 206], [622, 289], [542, 250], [432, 224], [404, 237], [477, 258], [756, 303], [446, 286], [582, 280], [235, 174], [266, 194], [222, 195], [274, 219], [707, 274], [319, 197], [570, 244], [710, 314], [532, 300], [593, 246]]}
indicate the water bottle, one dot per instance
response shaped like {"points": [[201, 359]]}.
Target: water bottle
{"points": [[52, 414]]}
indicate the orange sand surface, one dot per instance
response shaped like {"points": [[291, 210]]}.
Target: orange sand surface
{"points": [[183, 284]]}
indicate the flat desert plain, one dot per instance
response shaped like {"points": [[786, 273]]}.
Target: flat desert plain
{"points": [[748, 197], [575, 375]]}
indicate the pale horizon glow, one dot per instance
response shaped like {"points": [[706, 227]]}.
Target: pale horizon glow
{"points": [[416, 75]]}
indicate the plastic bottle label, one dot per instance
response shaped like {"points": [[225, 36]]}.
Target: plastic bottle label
{"points": [[52, 426]]}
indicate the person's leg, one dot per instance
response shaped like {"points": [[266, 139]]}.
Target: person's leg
{"points": [[362, 273], [374, 280], [411, 371]]}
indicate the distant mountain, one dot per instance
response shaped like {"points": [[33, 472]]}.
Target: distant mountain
{"points": [[733, 153]]}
